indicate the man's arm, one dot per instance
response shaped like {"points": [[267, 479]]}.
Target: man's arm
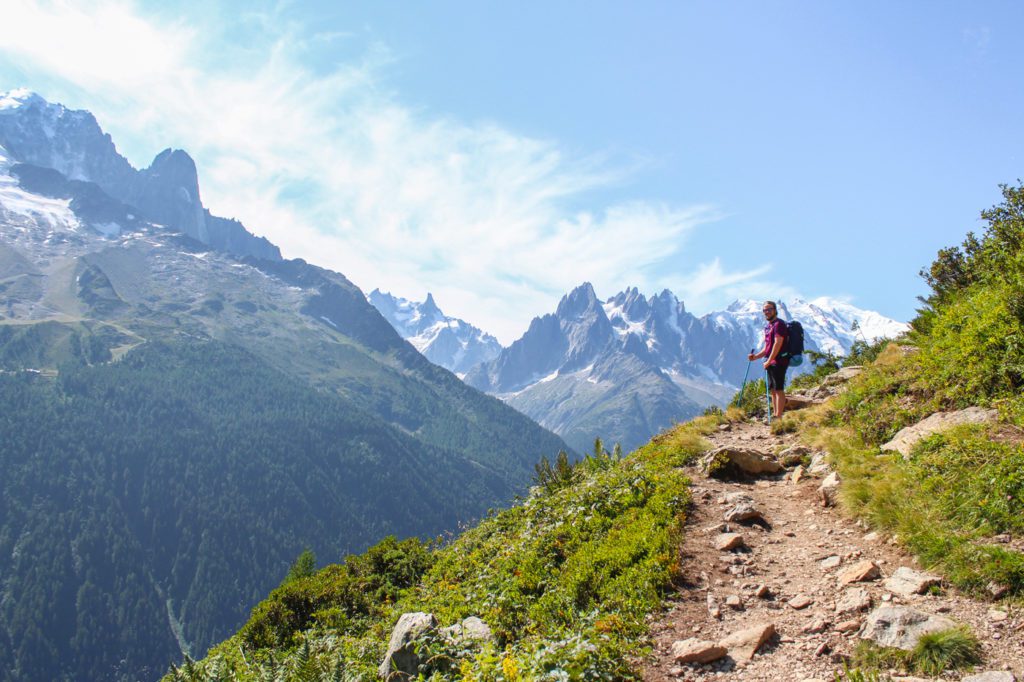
{"points": [[776, 349]]}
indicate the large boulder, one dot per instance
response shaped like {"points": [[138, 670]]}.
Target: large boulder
{"points": [[401, 661], [731, 462], [907, 438], [901, 627]]}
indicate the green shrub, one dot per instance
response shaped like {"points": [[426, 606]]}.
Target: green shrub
{"points": [[751, 399]]}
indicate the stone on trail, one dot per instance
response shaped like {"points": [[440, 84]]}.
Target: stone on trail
{"points": [[744, 644], [696, 651], [828, 491], [862, 571], [794, 455], [831, 562], [901, 627], [816, 626], [991, 676], [800, 601], [797, 474], [853, 600], [905, 440], [742, 510], [727, 542], [401, 660], [731, 462], [848, 626], [907, 582]]}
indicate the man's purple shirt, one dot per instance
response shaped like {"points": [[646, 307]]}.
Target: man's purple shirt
{"points": [[772, 330]]}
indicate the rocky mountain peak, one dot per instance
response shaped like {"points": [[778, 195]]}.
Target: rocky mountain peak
{"points": [[578, 302]]}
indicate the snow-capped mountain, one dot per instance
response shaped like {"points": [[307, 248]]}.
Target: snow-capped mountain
{"points": [[625, 368], [446, 341], [49, 136]]}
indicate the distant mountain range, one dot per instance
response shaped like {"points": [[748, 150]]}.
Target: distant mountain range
{"points": [[627, 367], [455, 345], [184, 411]]}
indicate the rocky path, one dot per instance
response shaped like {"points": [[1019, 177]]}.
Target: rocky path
{"points": [[789, 597]]}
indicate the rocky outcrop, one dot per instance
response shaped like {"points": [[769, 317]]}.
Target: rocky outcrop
{"points": [[904, 441]]}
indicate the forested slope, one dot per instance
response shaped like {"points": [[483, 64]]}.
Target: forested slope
{"points": [[179, 484]]}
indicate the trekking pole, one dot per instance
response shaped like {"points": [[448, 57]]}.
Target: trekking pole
{"points": [[744, 384], [768, 397]]}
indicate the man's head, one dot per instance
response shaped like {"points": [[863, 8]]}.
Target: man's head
{"points": [[770, 310]]}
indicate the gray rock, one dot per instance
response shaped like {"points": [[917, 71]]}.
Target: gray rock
{"points": [[470, 629], [831, 562], [853, 601], [843, 375], [696, 651], [906, 582], [828, 491], [901, 627], [794, 455], [728, 462], [744, 512], [401, 661], [991, 676], [907, 438]]}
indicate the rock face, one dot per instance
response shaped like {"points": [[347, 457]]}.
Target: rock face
{"points": [[49, 135], [901, 627], [907, 438], [401, 661], [727, 462], [906, 582]]}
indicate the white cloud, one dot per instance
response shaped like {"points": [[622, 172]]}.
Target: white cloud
{"points": [[334, 169], [711, 286]]}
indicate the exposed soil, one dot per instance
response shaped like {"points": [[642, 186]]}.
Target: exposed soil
{"points": [[786, 554]]}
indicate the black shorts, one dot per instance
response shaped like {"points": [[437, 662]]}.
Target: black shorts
{"points": [[777, 377]]}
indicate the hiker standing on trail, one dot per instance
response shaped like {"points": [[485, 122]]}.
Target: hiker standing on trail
{"points": [[775, 335]]}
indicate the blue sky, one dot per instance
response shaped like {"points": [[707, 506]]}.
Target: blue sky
{"points": [[497, 154]]}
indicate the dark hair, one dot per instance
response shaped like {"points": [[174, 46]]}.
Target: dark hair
{"points": [[772, 304]]}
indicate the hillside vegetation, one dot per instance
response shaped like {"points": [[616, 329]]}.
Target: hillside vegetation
{"points": [[958, 500], [567, 578]]}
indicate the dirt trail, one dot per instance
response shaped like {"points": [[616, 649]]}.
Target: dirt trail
{"points": [[798, 556]]}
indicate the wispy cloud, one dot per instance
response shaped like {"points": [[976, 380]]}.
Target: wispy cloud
{"points": [[337, 170]]}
